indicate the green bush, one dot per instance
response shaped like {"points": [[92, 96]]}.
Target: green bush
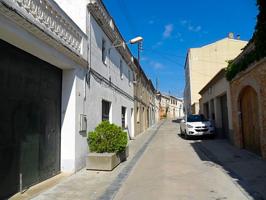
{"points": [[107, 138], [259, 41], [234, 68]]}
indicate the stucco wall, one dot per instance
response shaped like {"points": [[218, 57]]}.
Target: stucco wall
{"points": [[205, 62], [144, 104], [76, 10], [73, 145], [254, 76], [99, 91], [214, 92]]}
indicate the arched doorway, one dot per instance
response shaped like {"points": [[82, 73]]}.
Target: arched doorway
{"points": [[249, 120]]}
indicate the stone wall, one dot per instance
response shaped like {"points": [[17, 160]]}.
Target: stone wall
{"points": [[255, 77]]}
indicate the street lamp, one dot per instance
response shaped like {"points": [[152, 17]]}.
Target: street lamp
{"points": [[139, 41], [132, 41], [135, 40]]}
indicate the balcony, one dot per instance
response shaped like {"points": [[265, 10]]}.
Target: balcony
{"points": [[47, 21]]}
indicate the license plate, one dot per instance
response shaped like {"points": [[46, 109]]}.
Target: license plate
{"points": [[202, 132]]}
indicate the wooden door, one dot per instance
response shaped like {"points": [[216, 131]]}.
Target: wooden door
{"points": [[250, 119]]}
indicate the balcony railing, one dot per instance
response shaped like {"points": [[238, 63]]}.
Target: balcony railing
{"points": [[51, 19]]}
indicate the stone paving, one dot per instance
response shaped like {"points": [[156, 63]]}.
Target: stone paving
{"points": [[91, 185], [162, 165], [171, 168]]}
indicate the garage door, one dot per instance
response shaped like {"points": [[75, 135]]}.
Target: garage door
{"points": [[30, 107]]}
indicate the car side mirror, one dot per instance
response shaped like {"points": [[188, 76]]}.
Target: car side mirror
{"points": [[182, 121]]}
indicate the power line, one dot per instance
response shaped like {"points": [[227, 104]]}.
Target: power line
{"points": [[123, 8], [167, 58], [166, 53]]}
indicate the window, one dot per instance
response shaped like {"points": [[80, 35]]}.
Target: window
{"points": [[105, 110], [121, 69], [129, 77], [206, 109], [104, 51], [134, 77], [123, 117], [196, 118], [138, 114]]}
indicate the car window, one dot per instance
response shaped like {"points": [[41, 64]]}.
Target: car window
{"points": [[196, 118]]}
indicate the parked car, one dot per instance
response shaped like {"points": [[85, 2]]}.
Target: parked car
{"points": [[196, 125]]}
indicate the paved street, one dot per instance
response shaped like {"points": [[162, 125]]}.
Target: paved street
{"points": [[162, 165], [171, 168]]}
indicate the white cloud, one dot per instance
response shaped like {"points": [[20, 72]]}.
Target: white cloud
{"points": [[151, 22], [197, 29], [168, 29], [158, 44], [143, 58], [190, 26], [183, 22], [194, 28], [156, 65], [178, 35]]}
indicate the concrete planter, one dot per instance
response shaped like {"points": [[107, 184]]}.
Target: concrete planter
{"points": [[106, 161]]}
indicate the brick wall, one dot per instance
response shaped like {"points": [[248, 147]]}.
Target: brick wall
{"points": [[255, 77]]}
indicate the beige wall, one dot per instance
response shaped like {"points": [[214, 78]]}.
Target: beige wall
{"points": [[214, 92], [164, 106], [144, 104], [171, 107], [203, 63]]}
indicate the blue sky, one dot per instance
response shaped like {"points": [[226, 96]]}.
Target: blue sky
{"points": [[170, 27]]}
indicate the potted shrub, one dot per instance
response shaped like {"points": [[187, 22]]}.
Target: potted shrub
{"points": [[107, 145]]}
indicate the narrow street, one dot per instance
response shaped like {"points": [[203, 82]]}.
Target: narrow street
{"points": [[163, 165], [173, 168], [95, 93]]}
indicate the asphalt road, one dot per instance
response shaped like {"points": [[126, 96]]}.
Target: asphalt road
{"points": [[172, 168]]}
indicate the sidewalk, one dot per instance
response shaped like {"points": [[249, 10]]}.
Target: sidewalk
{"points": [[92, 185], [247, 169]]}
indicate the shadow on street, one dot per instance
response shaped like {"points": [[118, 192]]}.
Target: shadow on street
{"points": [[247, 169]]}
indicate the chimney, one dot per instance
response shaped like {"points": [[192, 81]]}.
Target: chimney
{"points": [[238, 37], [231, 35]]}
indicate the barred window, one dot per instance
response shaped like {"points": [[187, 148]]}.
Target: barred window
{"points": [[123, 117], [104, 51], [106, 110]]}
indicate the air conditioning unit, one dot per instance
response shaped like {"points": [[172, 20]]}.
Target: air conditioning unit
{"points": [[83, 123]]}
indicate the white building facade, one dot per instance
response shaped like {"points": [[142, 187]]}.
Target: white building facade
{"points": [[44, 69], [175, 108], [111, 72], [171, 107], [60, 76]]}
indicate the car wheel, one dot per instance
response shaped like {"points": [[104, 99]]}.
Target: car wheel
{"points": [[212, 136], [181, 132], [186, 135]]}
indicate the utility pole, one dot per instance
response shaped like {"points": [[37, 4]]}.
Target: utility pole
{"points": [[157, 84], [140, 48]]}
